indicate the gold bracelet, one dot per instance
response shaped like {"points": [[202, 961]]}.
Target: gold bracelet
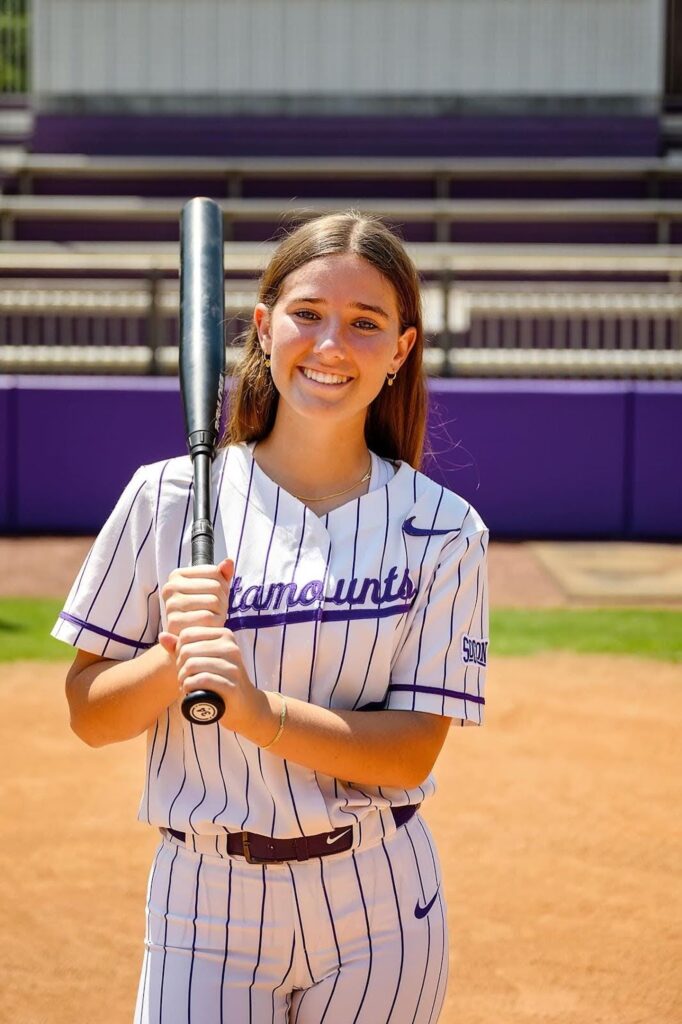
{"points": [[282, 720]]}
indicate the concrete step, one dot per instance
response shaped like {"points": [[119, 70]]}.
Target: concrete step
{"points": [[16, 125], [671, 133]]}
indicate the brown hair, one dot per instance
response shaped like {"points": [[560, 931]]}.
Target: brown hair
{"points": [[396, 419]]}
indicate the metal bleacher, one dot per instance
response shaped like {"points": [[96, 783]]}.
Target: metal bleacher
{"points": [[497, 309]]}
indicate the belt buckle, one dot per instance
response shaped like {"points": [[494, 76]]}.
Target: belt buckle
{"points": [[246, 847]]}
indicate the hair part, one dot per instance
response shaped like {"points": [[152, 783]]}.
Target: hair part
{"points": [[395, 425]]}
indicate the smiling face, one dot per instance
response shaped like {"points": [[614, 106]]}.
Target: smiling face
{"points": [[332, 336]]}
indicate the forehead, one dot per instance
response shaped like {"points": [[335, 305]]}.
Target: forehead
{"points": [[344, 278]]}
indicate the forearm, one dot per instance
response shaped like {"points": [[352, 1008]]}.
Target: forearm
{"points": [[111, 701], [378, 748]]}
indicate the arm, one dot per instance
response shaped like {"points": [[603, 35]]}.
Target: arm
{"points": [[377, 748], [111, 701]]}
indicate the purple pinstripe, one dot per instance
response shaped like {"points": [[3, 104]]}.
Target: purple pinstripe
{"points": [[428, 925], [369, 939], [442, 914], [194, 941], [281, 662], [260, 948], [402, 935], [165, 935], [227, 940]]}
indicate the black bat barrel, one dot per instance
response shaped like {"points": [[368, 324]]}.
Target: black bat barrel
{"points": [[202, 365]]}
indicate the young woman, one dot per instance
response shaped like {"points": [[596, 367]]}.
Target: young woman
{"points": [[345, 626]]}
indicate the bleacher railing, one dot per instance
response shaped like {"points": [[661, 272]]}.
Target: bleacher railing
{"points": [[508, 329]]}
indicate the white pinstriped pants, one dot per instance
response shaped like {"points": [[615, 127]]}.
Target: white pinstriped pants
{"points": [[355, 938]]}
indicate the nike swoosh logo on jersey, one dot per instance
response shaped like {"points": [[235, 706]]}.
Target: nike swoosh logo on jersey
{"points": [[335, 839], [420, 531], [423, 911]]}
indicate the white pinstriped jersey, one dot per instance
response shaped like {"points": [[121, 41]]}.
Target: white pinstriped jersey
{"points": [[380, 603]]}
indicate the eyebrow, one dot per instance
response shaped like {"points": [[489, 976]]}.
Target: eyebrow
{"points": [[351, 305]]}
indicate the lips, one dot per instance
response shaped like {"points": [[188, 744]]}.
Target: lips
{"points": [[324, 378]]}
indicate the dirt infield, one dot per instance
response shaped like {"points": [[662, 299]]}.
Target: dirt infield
{"points": [[556, 825]]}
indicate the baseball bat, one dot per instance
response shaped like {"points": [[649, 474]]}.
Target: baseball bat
{"points": [[202, 365]]}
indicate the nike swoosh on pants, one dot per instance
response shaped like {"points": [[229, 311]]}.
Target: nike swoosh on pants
{"points": [[423, 911]]}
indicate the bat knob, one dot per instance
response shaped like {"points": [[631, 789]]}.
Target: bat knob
{"points": [[203, 707]]}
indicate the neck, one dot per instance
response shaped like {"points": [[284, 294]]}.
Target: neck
{"points": [[313, 460]]}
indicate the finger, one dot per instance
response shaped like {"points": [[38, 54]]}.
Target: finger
{"points": [[200, 668], [193, 658], [168, 642], [194, 634], [211, 572], [214, 603], [193, 585], [177, 621], [207, 681], [226, 568], [205, 658]]}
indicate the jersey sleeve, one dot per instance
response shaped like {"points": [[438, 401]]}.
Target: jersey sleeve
{"points": [[441, 664], [113, 607]]}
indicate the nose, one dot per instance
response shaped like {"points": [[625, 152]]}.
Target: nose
{"points": [[331, 342]]}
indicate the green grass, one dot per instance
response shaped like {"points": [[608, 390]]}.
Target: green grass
{"points": [[25, 625], [647, 632]]}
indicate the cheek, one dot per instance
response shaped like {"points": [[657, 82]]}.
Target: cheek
{"points": [[287, 339], [288, 352], [373, 355]]}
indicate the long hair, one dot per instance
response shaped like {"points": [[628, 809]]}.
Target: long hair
{"points": [[396, 419]]}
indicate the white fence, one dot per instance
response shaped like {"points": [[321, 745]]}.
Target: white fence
{"points": [[348, 48]]}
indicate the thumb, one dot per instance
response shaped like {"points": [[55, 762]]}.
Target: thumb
{"points": [[168, 642], [227, 569]]}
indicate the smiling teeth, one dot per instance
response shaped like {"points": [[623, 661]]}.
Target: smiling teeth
{"points": [[324, 378]]}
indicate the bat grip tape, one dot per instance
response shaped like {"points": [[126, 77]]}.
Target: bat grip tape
{"points": [[202, 542]]}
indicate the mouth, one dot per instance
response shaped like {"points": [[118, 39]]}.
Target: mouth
{"points": [[329, 380]]}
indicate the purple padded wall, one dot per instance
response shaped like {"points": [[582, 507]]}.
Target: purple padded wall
{"points": [[79, 440], [7, 451], [657, 459], [216, 135], [536, 458]]}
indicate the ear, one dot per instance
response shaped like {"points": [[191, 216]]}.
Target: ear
{"points": [[403, 347], [261, 318]]}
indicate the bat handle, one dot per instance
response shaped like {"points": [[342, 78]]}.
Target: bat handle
{"points": [[202, 542], [202, 707]]}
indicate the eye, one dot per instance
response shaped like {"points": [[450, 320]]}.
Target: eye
{"points": [[306, 314], [367, 325]]}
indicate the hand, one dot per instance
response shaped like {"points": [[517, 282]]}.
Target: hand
{"points": [[204, 651], [198, 595], [209, 659]]}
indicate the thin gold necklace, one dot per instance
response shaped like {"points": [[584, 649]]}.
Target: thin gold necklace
{"points": [[338, 494]]}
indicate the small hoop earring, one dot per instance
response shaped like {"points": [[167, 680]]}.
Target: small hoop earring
{"points": [[390, 377]]}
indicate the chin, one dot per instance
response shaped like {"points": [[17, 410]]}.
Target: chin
{"points": [[317, 410]]}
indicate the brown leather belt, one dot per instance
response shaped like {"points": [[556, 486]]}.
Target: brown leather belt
{"points": [[266, 850]]}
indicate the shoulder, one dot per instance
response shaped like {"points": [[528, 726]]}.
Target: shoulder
{"points": [[177, 472], [155, 481]]}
